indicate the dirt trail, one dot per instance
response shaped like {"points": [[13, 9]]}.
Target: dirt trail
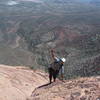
{"points": [[17, 83]]}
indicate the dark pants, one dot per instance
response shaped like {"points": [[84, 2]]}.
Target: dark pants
{"points": [[53, 74]]}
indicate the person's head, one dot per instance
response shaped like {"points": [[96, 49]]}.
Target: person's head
{"points": [[63, 60]]}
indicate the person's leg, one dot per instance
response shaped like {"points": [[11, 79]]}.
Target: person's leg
{"points": [[50, 74], [55, 74]]}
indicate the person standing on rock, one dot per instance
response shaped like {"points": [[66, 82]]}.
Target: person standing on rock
{"points": [[56, 67]]}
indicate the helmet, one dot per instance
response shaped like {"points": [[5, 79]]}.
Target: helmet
{"points": [[63, 59]]}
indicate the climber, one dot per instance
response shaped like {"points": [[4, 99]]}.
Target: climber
{"points": [[55, 67]]}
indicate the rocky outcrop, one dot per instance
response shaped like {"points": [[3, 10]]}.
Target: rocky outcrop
{"points": [[77, 89]]}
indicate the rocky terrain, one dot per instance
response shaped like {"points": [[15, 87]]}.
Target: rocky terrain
{"points": [[29, 29], [22, 83], [17, 83], [77, 89]]}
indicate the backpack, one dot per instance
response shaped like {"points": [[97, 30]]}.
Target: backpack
{"points": [[56, 66]]}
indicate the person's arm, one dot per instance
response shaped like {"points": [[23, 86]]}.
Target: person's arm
{"points": [[52, 54], [54, 58], [62, 72]]}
